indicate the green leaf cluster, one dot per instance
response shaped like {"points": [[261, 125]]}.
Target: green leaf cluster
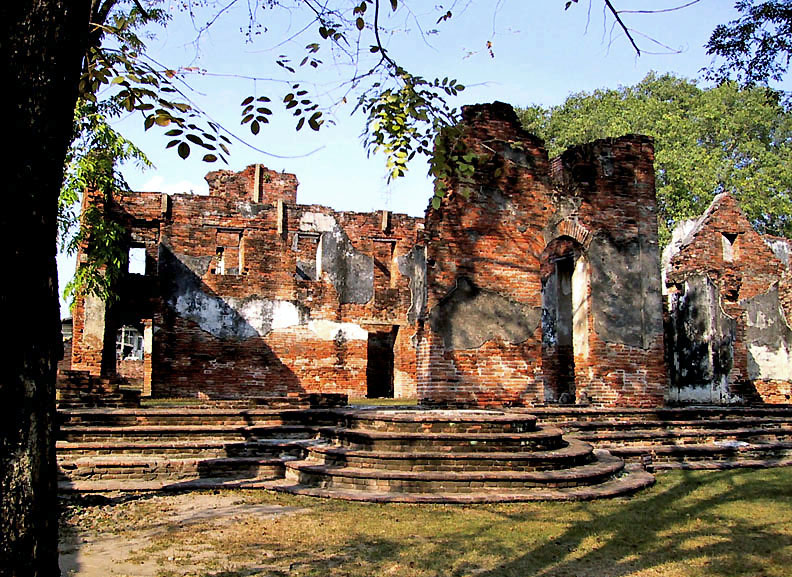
{"points": [[403, 120], [116, 69], [755, 47], [93, 163], [707, 141]]}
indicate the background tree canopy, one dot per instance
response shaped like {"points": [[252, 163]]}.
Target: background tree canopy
{"points": [[707, 141]]}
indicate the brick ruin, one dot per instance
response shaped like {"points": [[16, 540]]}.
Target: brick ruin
{"points": [[245, 292], [536, 281], [729, 297]]}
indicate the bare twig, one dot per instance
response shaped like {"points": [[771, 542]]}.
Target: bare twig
{"points": [[382, 50], [661, 10], [624, 27]]}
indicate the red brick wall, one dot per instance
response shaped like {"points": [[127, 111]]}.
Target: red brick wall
{"points": [[132, 370], [273, 186], [752, 270], [183, 293], [496, 240]]}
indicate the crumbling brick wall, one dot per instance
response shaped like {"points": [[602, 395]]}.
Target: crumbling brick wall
{"points": [[728, 292], [536, 281], [481, 341], [247, 293]]}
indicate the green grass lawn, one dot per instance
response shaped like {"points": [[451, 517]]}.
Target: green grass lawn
{"points": [[689, 524]]}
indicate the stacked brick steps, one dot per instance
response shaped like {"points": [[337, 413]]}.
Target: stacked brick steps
{"points": [[80, 389], [685, 438], [410, 455], [184, 448], [438, 456], [574, 453], [494, 456]]}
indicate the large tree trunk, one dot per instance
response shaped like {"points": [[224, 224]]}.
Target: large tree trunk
{"points": [[41, 46]]}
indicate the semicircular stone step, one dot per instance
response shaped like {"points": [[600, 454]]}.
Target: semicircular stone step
{"points": [[541, 438], [628, 483], [312, 474], [573, 453], [439, 421]]}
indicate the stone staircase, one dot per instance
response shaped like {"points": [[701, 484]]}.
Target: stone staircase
{"points": [[178, 448], [454, 456], [411, 454], [684, 438], [374, 455]]}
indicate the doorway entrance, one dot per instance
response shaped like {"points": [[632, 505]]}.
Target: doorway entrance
{"points": [[564, 317], [379, 369]]}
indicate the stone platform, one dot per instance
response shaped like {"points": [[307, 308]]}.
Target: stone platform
{"points": [[411, 454]]}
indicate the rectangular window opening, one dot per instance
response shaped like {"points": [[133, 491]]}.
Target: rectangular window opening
{"points": [[137, 260], [306, 245], [728, 240]]}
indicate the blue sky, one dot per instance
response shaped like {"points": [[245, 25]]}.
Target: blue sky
{"points": [[542, 53]]}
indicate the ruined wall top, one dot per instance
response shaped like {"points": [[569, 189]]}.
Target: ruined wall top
{"points": [[497, 120], [256, 183]]}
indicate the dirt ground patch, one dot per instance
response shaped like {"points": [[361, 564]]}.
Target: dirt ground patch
{"points": [[143, 536]]}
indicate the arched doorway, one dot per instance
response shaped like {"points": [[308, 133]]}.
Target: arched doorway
{"points": [[565, 290]]}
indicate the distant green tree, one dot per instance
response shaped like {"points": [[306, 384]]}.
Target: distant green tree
{"points": [[707, 141]]}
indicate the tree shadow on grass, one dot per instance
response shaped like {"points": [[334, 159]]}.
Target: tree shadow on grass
{"points": [[706, 521], [691, 523]]}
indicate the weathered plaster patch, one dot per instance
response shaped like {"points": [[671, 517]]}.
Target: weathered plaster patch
{"points": [[413, 266], [232, 318], [626, 301], [350, 272], [468, 316], [782, 248], [769, 338], [701, 343], [236, 319], [769, 363], [93, 333], [329, 330], [317, 222]]}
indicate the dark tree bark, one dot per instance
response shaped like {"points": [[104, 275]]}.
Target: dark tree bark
{"points": [[41, 47]]}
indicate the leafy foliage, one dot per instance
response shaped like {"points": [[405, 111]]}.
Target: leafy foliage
{"points": [[756, 47], [117, 61], [404, 112], [93, 167], [706, 141]]}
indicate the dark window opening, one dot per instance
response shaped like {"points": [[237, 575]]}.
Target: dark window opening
{"points": [[561, 329], [383, 261], [306, 246], [228, 256], [564, 352]]}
